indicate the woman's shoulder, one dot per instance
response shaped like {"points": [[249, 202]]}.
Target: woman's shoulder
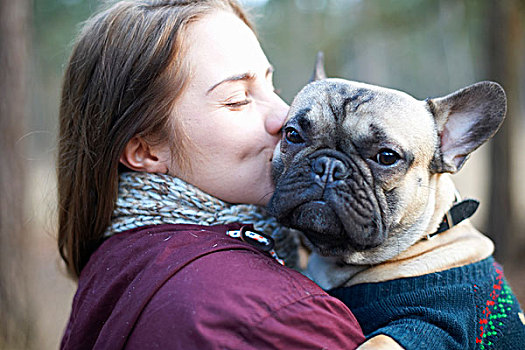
{"points": [[195, 286], [240, 299], [230, 296], [192, 255]]}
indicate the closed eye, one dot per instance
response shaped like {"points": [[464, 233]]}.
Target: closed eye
{"points": [[238, 103], [238, 100]]}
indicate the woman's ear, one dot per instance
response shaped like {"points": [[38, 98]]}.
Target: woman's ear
{"points": [[138, 155]]}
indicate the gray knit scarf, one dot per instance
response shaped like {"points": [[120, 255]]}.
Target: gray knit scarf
{"points": [[154, 199]]}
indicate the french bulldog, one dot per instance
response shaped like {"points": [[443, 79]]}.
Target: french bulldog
{"points": [[364, 173]]}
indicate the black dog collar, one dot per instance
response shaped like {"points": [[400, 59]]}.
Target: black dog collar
{"points": [[459, 212]]}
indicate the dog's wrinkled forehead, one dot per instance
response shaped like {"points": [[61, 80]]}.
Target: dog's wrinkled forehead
{"points": [[337, 94], [359, 107]]}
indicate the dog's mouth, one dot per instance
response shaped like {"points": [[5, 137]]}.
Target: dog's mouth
{"points": [[318, 221], [335, 223], [332, 233]]}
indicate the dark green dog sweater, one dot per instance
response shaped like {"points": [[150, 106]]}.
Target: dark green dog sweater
{"points": [[469, 307]]}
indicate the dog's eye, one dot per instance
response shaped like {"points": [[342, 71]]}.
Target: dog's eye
{"points": [[292, 135], [387, 157]]}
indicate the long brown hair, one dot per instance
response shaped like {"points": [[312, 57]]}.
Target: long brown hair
{"points": [[126, 70]]}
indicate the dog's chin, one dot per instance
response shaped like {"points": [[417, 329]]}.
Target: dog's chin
{"points": [[328, 233], [318, 222]]}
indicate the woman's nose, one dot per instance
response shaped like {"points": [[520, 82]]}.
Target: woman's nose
{"points": [[276, 116]]}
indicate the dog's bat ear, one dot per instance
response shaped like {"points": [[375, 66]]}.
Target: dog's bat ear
{"points": [[319, 73], [465, 120]]}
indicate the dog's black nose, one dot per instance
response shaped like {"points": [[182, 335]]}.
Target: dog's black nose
{"points": [[329, 169]]}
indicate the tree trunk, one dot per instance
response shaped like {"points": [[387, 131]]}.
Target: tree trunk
{"points": [[15, 323], [503, 23]]}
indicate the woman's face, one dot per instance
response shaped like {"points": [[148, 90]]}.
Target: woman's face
{"points": [[229, 112]]}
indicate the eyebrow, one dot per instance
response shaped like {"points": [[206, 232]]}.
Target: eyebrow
{"points": [[248, 76]]}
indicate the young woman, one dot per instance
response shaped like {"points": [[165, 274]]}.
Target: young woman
{"points": [[168, 123]]}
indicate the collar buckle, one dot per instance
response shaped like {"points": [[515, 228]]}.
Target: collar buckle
{"points": [[459, 212]]}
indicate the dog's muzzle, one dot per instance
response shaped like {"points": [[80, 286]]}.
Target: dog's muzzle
{"points": [[330, 198]]}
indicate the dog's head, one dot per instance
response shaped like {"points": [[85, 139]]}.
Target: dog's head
{"points": [[354, 165]]}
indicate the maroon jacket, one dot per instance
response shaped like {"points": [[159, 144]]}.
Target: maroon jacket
{"points": [[193, 287]]}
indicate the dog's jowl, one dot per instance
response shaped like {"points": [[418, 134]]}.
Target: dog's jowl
{"points": [[364, 172]]}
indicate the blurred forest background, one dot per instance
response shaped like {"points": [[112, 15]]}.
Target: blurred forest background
{"points": [[426, 48]]}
